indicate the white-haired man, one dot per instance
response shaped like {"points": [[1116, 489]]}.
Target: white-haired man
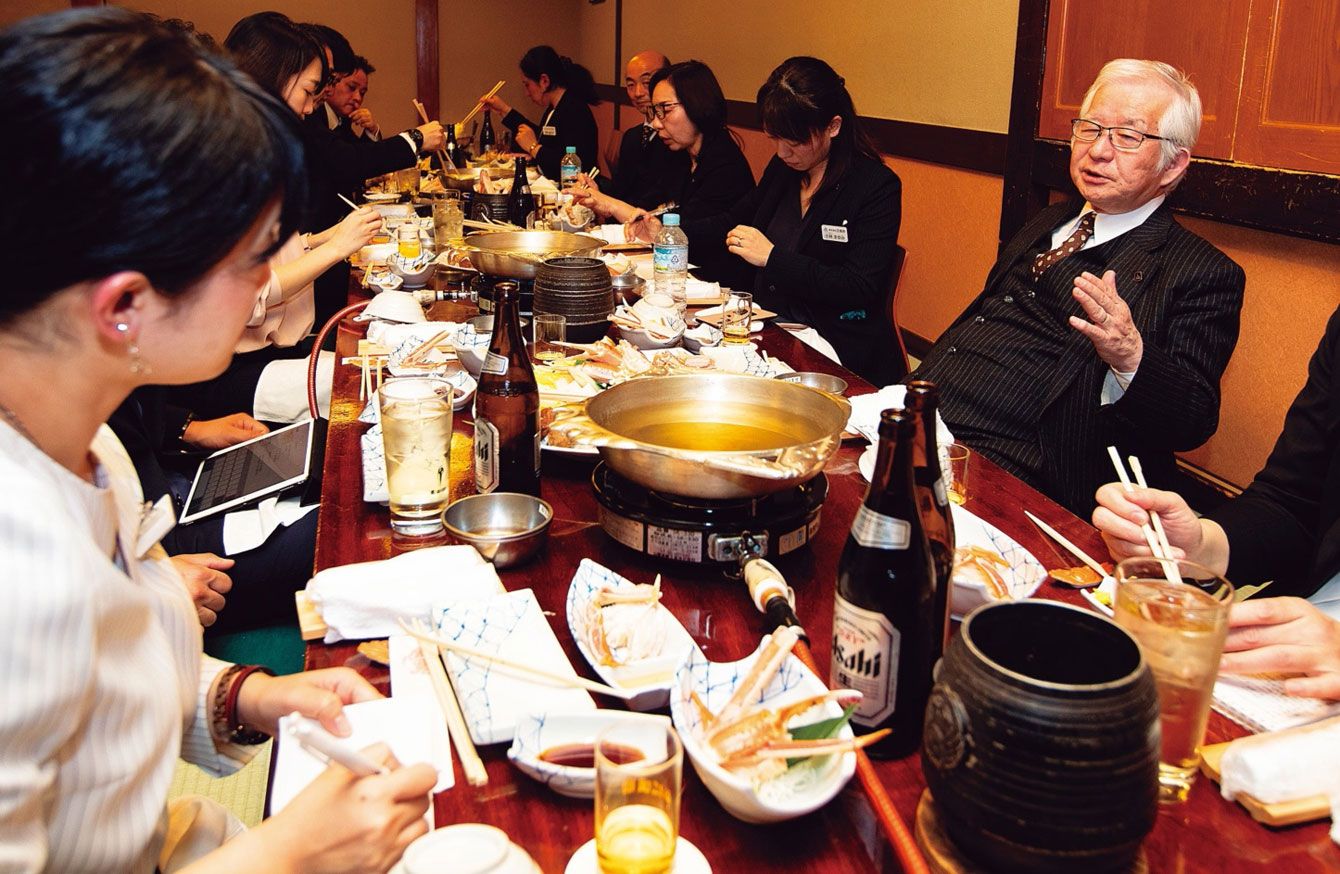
{"points": [[1104, 322]]}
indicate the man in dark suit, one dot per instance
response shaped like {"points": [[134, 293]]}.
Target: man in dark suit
{"points": [[643, 162], [1104, 322]]}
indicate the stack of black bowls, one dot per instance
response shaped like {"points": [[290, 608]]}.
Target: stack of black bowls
{"points": [[1041, 742], [580, 290]]}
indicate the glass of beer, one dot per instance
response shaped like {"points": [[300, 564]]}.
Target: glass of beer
{"points": [[416, 437], [407, 240], [550, 329], [638, 784], [1180, 627], [954, 458], [736, 314]]}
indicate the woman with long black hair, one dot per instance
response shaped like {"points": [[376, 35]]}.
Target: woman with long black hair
{"points": [[815, 241], [565, 93], [182, 202]]}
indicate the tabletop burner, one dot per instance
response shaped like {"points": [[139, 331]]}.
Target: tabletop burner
{"points": [[483, 287], [704, 531]]}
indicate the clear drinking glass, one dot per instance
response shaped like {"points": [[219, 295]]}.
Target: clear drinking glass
{"points": [[954, 459], [416, 437], [549, 328], [407, 180], [639, 775], [1180, 627], [408, 244], [736, 314], [447, 220]]}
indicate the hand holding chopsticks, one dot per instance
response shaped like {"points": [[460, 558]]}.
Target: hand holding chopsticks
{"points": [[1155, 536], [480, 105]]}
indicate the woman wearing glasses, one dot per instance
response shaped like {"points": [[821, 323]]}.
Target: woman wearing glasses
{"points": [[101, 672], [710, 174], [816, 241]]}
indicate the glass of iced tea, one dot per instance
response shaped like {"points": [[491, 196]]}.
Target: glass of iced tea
{"points": [[638, 784], [736, 314], [416, 437], [1180, 627]]}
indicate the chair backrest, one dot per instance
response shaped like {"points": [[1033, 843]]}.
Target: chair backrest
{"points": [[891, 302]]}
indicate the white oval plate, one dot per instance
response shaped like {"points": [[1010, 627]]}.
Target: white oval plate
{"points": [[543, 731]]}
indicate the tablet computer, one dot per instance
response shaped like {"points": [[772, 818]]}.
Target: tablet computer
{"points": [[250, 471]]}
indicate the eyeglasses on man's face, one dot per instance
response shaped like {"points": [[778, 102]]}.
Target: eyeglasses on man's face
{"points": [[1126, 139], [660, 109]]}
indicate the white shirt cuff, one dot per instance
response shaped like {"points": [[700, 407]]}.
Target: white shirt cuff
{"points": [[1115, 384]]}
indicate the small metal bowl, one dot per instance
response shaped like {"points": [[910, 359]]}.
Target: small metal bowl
{"points": [[834, 385], [506, 527]]}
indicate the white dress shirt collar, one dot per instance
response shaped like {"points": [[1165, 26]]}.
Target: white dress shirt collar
{"points": [[1108, 226]]}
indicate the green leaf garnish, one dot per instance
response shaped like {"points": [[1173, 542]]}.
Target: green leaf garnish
{"points": [[821, 730]]}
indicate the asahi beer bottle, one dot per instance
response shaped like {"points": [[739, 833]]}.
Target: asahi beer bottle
{"points": [[507, 405], [885, 633], [520, 202], [923, 398]]}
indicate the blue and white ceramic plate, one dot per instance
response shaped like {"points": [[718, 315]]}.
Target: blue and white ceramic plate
{"points": [[544, 731]]}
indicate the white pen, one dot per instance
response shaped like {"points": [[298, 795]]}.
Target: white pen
{"points": [[316, 740]]}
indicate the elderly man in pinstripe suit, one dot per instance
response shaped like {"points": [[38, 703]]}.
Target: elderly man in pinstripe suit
{"points": [[1104, 322]]}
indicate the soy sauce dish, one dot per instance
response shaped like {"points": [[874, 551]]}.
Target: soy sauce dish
{"points": [[558, 749]]}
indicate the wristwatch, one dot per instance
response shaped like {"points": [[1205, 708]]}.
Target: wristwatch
{"points": [[417, 136]]}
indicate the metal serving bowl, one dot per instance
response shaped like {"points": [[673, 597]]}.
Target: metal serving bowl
{"points": [[520, 254], [834, 385], [506, 527]]}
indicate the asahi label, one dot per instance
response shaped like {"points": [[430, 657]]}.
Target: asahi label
{"points": [[878, 531], [495, 364], [865, 658], [486, 456]]}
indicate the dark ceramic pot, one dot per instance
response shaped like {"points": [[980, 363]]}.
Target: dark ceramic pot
{"points": [[1041, 742], [580, 289], [482, 207]]}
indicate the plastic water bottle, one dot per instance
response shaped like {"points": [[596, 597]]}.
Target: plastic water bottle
{"points": [[670, 261], [569, 167]]}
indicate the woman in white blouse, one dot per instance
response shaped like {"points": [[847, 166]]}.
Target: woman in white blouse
{"points": [[185, 176]]}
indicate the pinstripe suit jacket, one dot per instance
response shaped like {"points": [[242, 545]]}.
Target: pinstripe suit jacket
{"points": [[1185, 297]]}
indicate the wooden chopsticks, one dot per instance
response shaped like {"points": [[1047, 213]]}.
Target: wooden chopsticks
{"points": [[471, 763], [1155, 537], [441, 153], [541, 673], [480, 104]]}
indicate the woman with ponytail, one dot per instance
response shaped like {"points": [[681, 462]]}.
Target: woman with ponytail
{"points": [[565, 92]]}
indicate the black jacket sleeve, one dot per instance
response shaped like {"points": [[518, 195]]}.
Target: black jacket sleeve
{"points": [[573, 125]]}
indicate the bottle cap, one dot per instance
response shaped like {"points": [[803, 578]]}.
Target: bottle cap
{"points": [[670, 219], [571, 150]]}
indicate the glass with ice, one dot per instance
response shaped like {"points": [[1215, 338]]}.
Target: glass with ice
{"points": [[1178, 612], [416, 437]]}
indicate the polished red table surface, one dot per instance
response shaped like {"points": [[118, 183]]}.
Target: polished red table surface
{"points": [[1205, 834]]}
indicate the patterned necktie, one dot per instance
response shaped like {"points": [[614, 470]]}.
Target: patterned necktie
{"points": [[1068, 247]]}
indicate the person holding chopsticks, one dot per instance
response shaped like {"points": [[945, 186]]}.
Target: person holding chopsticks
{"points": [[565, 93], [101, 672]]}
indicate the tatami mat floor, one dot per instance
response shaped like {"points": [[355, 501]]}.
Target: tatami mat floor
{"points": [[243, 792]]}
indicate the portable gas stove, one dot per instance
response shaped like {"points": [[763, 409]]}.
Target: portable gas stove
{"points": [[483, 286], [703, 531]]}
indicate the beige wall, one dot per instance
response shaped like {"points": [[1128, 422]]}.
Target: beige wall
{"points": [[382, 31], [478, 50], [15, 10], [945, 62]]}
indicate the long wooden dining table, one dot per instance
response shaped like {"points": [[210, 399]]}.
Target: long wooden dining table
{"points": [[1206, 833]]}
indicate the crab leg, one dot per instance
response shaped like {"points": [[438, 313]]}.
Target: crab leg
{"points": [[802, 749], [767, 664]]}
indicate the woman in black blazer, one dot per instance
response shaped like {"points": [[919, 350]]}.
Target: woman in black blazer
{"points": [[815, 241], [706, 175], [566, 92]]}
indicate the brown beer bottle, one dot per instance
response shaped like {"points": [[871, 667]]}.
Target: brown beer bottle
{"points": [[923, 397], [507, 405], [885, 633]]}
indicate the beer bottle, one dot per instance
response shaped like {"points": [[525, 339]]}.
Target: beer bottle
{"points": [[884, 630], [485, 135], [507, 405], [520, 203], [452, 151], [923, 397]]}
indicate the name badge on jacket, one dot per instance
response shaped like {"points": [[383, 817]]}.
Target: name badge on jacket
{"points": [[833, 233], [548, 131]]}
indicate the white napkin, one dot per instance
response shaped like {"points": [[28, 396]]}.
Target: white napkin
{"points": [[609, 233], [366, 600], [865, 410], [697, 289], [813, 339], [1284, 765], [493, 698], [247, 529], [411, 726]]}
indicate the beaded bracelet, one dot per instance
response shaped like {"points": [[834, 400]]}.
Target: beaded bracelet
{"points": [[224, 724]]}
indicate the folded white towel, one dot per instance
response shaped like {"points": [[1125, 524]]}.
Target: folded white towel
{"points": [[1284, 765], [865, 410], [366, 600]]}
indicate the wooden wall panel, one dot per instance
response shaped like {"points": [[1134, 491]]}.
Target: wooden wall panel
{"points": [[1203, 37], [1290, 113]]}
